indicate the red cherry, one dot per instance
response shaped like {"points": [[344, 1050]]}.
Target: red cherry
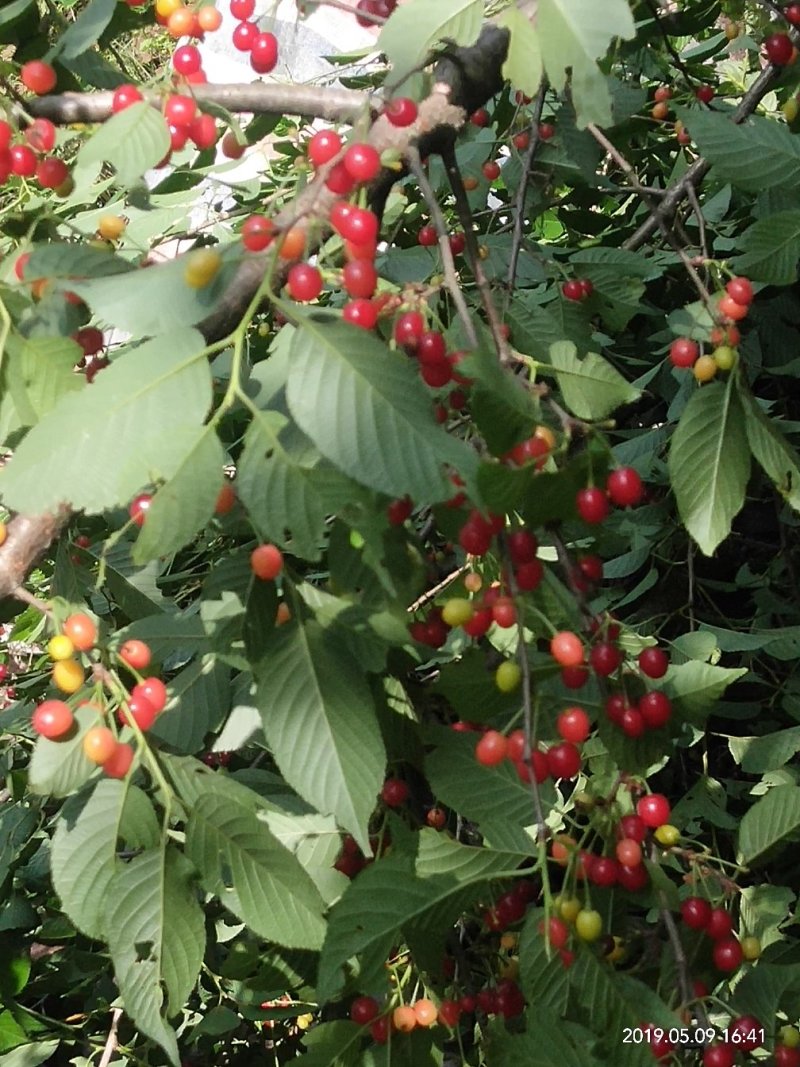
{"points": [[719, 925], [731, 309], [566, 648], [408, 329], [266, 562], [683, 352], [572, 289], [124, 96], [203, 131], [504, 612], [631, 722], [135, 654], [746, 1033], [427, 236], [719, 1055], [186, 59], [457, 242], [53, 719], [563, 760], [362, 162], [778, 46], [491, 170], [491, 749], [480, 622], [546, 131], [361, 313], [604, 872], [624, 487], [529, 575], [592, 505], [591, 567], [653, 662], [633, 827], [359, 226], [242, 9], [340, 181], [449, 1013], [180, 111], [23, 161], [258, 232], [244, 35], [696, 913], [323, 146], [629, 852], [574, 677], [727, 954], [786, 1056], [740, 290], [475, 536], [704, 93], [573, 724], [141, 711], [51, 172], [119, 762], [363, 1010], [264, 53], [138, 508], [656, 709], [480, 117], [397, 511], [40, 135], [605, 658], [521, 140], [401, 111], [394, 792], [153, 690], [304, 282], [38, 76], [522, 546], [436, 817], [653, 809], [633, 879]]}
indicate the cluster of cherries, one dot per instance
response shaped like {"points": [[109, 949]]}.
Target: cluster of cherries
{"points": [[55, 720], [733, 306], [728, 952], [660, 109], [623, 489], [27, 155], [577, 289]]}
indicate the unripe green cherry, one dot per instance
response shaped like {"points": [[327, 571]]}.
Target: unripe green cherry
{"points": [[457, 611], [508, 676], [751, 948], [667, 835], [588, 924], [789, 1036], [725, 357]]}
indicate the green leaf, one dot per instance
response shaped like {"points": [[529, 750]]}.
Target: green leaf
{"points": [[709, 463], [367, 411], [253, 875], [86, 840], [547, 1045], [770, 249], [40, 372], [30, 1055], [14, 10], [156, 937], [186, 502], [770, 447], [573, 35], [69, 261], [110, 458], [755, 155], [319, 721], [523, 67], [199, 699], [543, 979], [698, 686], [132, 141], [17, 824], [759, 755], [591, 387], [333, 1044], [607, 1010], [773, 819], [11, 1034], [86, 29], [416, 27]]}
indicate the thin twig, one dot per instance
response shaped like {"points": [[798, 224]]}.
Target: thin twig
{"points": [[676, 59], [431, 594], [701, 222], [448, 264], [522, 191], [111, 1040], [473, 254]]}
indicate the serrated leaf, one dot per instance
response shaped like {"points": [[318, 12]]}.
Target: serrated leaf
{"points": [[607, 1010], [367, 411], [416, 27], [257, 879], [573, 35], [543, 978], [186, 502], [773, 819], [755, 155], [71, 260], [332, 1044], [699, 685], [523, 67], [86, 29], [16, 827], [156, 937], [771, 448], [534, 1049], [90, 452], [768, 753], [319, 721], [132, 141], [709, 463], [591, 387], [770, 249], [41, 371], [86, 839], [199, 699]]}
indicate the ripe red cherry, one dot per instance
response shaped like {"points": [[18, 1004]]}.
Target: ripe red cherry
{"points": [[138, 508], [592, 505], [362, 313], [563, 760], [605, 658], [408, 329], [304, 282], [529, 575], [719, 925], [394, 792], [749, 1032], [23, 161], [786, 1056], [51, 172], [727, 954], [631, 722], [719, 1055], [696, 912], [180, 111], [574, 677], [203, 131], [572, 289], [624, 487], [135, 654], [480, 117], [141, 711], [363, 1010], [362, 162], [360, 278], [504, 612], [683, 352], [704, 93], [244, 35], [401, 111], [40, 135], [731, 309], [258, 232], [152, 690], [521, 140], [629, 852], [603, 872], [359, 226], [119, 762], [38, 76], [656, 709], [654, 809], [660, 1045], [475, 535], [634, 879], [633, 827], [242, 9], [566, 648], [264, 53], [397, 511], [792, 14], [266, 562], [457, 242], [431, 347], [53, 719], [547, 131], [740, 290], [124, 96], [186, 59], [427, 236], [491, 170], [522, 547], [591, 567], [653, 662], [778, 46], [492, 748], [323, 146]]}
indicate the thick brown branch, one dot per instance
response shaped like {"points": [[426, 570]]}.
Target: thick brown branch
{"points": [[28, 537]]}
